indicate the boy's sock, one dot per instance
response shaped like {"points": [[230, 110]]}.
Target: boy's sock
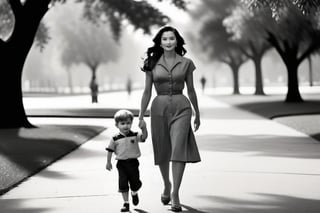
{"points": [[135, 198], [134, 192]]}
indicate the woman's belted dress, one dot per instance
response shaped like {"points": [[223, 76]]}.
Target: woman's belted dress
{"points": [[172, 135]]}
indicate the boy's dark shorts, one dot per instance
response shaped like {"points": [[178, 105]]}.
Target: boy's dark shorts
{"points": [[129, 175]]}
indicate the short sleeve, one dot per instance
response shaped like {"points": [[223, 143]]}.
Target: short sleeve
{"points": [[112, 146], [191, 66]]}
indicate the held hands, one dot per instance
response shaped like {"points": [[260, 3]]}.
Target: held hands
{"points": [[142, 124], [109, 166]]}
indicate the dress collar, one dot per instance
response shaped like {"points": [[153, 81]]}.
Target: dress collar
{"points": [[178, 59]]}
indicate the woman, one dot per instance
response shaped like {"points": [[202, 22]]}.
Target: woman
{"points": [[173, 140]]}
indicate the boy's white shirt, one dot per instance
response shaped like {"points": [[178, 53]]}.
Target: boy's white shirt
{"points": [[126, 146]]}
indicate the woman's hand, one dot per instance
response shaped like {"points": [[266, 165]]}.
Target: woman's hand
{"points": [[196, 122], [142, 124]]}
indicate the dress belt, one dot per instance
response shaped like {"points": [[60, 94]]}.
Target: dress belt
{"points": [[174, 92]]}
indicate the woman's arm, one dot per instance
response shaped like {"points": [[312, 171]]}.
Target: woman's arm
{"points": [[146, 96], [144, 134], [194, 100]]}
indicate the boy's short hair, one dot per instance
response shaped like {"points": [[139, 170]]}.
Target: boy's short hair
{"points": [[123, 115]]}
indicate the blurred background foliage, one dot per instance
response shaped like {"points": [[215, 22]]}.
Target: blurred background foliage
{"points": [[235, 44]]}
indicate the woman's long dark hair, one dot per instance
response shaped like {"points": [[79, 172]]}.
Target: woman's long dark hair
{"points": [[155, 52]]}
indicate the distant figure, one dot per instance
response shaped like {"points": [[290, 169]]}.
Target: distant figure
{"points": [[124, 144], [94, 90], [203, 81], [129, 86]]}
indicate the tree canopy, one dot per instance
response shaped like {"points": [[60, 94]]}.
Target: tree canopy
{"points": [[293, 29], [140, 14], [80, 45], [216, 40], [23, 24]]}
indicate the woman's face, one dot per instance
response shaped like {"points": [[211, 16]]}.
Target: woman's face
{"points": [[168, 41]]}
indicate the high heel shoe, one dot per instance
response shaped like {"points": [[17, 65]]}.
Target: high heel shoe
{"points": [[165, 199], [175, 204], [176, 208]]}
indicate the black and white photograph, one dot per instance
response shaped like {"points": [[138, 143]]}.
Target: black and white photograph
{"points": [[159, 106]]}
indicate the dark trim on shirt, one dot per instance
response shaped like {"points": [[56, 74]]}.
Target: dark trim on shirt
{"points": [[119, 135]]}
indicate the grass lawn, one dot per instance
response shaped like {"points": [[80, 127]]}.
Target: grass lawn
{"points": [[24, 152], [304, 116]]}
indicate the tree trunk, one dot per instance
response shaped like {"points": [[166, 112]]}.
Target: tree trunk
{"points": [[13, 54], [310, 71], [259, 79], [12, 110], [293, 94], [235, 72], [94, 87], [70, 80]]}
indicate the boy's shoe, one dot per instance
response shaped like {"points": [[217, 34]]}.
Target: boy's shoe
{"points": [[125, 207], [135, 199]]}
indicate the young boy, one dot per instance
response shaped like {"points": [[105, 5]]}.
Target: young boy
{"points": [[125, 146]]}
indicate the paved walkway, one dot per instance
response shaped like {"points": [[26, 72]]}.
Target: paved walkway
{"points": [[249, 165]]}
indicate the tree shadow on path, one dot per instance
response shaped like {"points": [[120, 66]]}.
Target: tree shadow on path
{"points": [[263, 203]]}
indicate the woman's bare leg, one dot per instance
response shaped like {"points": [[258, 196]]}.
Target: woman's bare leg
{"points": [[177, 174], [164, 169]]}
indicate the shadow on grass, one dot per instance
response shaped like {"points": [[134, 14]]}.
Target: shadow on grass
{"points": [[272, 106], [261, 145], [24, 152], [276, 109], [78, 113], [15, 205]]}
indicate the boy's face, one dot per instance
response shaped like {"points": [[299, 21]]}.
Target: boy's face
{"points": [[124, 126]]}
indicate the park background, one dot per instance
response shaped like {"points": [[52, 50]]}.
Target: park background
{"points": [[44, 70]]}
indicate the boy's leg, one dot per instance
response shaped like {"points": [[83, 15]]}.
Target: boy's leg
{"points": [[125, 196], [123, 185], [134, 175], [123, 176], [135, 197], [126, 206], [134, 179]]}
